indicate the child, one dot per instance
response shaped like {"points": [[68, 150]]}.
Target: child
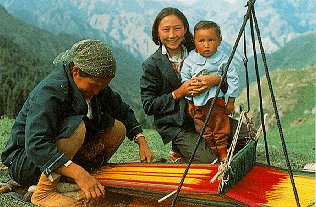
{"points": [[208, 59]]}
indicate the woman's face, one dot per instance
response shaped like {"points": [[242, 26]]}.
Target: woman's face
{"points": [[89, 86], [171, 32]]}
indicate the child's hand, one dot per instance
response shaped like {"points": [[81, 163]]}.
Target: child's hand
{"points": [[230, 106], [230, 109]]}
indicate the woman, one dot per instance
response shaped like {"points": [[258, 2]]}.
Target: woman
{"points": [[163, 94], [71, 124]]}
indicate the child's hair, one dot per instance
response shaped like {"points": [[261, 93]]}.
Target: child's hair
{"points": [[207, 25], [188, 37]]}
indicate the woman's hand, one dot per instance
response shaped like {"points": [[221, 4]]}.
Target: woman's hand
{"points": [[196, 86], [205, 82], [91, 188], [145, 154], [186, 89]]}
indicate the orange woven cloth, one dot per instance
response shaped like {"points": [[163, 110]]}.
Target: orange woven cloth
{"points": [[159, 177], [262, 186]]}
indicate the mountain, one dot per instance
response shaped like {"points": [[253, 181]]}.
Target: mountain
{"points": [[45, 46], [127, 24], [299, 53], [26, 55], [53, 26]]}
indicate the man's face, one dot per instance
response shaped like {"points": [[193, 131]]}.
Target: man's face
{"points": [[90, 86]]}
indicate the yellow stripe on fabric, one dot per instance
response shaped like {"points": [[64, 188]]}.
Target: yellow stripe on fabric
{"points": [[282, 193], [164, 178], [152, 174], [157, 170]]}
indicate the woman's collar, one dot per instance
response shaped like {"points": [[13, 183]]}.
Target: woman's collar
{"points": [[164, 50]]}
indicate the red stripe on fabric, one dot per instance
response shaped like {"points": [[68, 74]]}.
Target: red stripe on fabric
{"points": [[253, 188]]}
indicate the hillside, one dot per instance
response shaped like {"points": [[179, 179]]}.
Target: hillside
{"points": [[297, 54], [26, 55], [295, 96], [27, 52], [127, 24], [38, 43]]}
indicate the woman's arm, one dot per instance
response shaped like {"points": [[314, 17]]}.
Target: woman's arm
{"points": [[156, 91], [188, 88]]}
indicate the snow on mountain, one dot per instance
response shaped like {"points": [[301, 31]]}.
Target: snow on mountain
{"points": [[127, 23]]}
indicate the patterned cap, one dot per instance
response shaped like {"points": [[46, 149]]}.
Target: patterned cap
{"points": [[93, 57]]}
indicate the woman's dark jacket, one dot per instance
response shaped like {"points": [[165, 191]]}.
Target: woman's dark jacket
{"points": [[53, 110], [156, 84]]}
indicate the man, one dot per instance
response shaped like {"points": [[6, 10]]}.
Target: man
{"points": [[71, 124]]}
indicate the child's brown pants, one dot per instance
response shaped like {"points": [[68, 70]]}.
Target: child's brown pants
{"points": [[217, 128]]}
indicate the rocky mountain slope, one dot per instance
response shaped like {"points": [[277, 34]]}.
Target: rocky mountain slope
{"points": [[127, 24]]}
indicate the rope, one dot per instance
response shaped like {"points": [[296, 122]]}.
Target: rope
{"points": [[259, 131], [232, 147], [311, 204], [225, 166], [245, 60], [259, 89], [249, 15], [276, 110], [251, 2]]}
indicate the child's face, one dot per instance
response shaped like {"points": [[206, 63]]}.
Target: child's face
{"points": [[171, 32], [206, 41]]}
